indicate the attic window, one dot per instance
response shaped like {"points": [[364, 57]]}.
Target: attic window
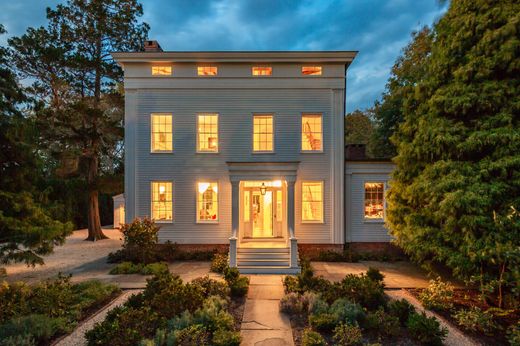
{"points": [[161, 70], [262, 71], [207, 70], [311, 70]]}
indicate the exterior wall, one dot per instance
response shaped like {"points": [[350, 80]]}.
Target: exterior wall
{"points": [[119, 210], [359, 230], [235, 96]]}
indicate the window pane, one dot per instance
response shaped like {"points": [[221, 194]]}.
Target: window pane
{"points": [[312, 201], [262, 71], [207, 70], [207, 130], [374, 200], [207, 201], [263, 133], [311, 70], [312, 132], [162, 136], [161, 70], [162, 202]]}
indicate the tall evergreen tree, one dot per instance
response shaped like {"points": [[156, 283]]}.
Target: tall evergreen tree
{"points": [[358, 127], [81, 116], [456, 190], [27, 230]]}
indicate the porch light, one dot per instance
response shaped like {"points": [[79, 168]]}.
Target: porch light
{"points": [[263, 189], [203, 187]]}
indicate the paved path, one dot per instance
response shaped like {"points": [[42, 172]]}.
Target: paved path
{"points": [[77, 338], [454, 338], [263, 324]]}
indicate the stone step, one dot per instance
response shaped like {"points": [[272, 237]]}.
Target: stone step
{"points": [[262, 255], [257, 249], [263, 263], [268, 270]]}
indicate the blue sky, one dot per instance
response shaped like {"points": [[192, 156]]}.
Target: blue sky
{"points": [[377, 29]]}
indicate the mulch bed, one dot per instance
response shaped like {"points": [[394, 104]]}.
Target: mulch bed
{"points": [[467, 298], [236, 309]]}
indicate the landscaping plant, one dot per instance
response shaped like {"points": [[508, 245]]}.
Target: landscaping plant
{"points": [[426, 330], [219, 263], [312, 338], [347, 335], [474, 319], [437, 296]]}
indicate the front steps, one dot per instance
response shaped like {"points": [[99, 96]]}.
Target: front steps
{"points": [[265, 260]]}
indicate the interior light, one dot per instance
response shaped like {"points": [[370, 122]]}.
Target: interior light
{"points": [[162, 189], [277, 183], [203, 187]]}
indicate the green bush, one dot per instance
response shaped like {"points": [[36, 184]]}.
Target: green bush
{"points": [[210, 287], [139, 240], [383, 323], [191, 336], [346, 311], [40, 327], [93, 292], [18, 340], [401, 309], [139, 268], [426, 330], [239, 285], [302, 304], [375, 275], [513, 334], [363, 290], [437, 296], [54, 298], [13, 300], [219, 263], [474, 319], [323, 322], [226, 338], [346, 335], [312, 338], [155, 268]]}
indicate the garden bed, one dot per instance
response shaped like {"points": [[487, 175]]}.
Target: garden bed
{"points": [[500, 322]]}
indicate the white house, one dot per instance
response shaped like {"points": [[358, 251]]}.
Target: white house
{"points": [[242, 149]]}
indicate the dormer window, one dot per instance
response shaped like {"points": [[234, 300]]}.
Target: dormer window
{"points": [[161, 70], [311, 70], [207, 70], [262, 71]]}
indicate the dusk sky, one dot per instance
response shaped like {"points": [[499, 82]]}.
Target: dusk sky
{"points": [[377, 29]]}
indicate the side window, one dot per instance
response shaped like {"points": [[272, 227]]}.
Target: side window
{"points": [[312, 132], [162, 133], [374, 200], [162, 201], [312, 201]]}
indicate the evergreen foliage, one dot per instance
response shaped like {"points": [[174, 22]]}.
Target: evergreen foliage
{"points": [[456, 190]]}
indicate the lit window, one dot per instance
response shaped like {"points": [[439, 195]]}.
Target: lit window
{"points": [[162, 202], [311, 70], [312, 201], [312, 132], [374, 200], [161, 70], [262, 133], [207, 201], [207, 70], [162, 134], [262, 71], [207, 133]]}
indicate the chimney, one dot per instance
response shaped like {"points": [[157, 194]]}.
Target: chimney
{"points": [[152, 46], [355, 152]]}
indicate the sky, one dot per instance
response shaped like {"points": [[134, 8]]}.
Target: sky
{"points": [[378, 29]]}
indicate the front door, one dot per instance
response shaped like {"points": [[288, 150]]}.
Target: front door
{"points": [[262, 215]]}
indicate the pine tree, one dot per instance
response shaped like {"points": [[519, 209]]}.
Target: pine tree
{"points": [[456, 190]]}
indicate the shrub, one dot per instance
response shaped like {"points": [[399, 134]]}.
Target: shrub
{"points": [[346, 311], [13, 300], [54, 298], [226, 338], [210, 287], [290, 284], [140, 268], [474, 319], [239, 285], [39, 327], [385, 324], [219, 263], [437, 296], [323, 322], [312, 338], [375, 275], [513, 334], [307, 303], [292, 303], [363, 290], [332, 256], [346, 334], [426, 330], [155, 268], [192, 335], [140, 239], [93, 292], [18, 340], [401, 309]]}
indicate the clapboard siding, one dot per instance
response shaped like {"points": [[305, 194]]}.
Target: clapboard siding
{"points": [[357, 173]]}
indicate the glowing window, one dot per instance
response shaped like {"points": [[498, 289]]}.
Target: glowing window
{"points": [[262, 133], [207, 70], [312, 201], [162, 201], [262, 71], [207, 201], [162, 134], [207, 133], [161, 70], [311, 70], [374, 200], [312, 136]]}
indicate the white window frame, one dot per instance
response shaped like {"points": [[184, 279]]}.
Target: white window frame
{"points": [[322, 221], [378, 220], [152, 151], [197, 131], [301, 133], [197, 201], [272, 151], [173, 199]]}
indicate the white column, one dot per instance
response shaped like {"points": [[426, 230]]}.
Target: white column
{"points": [[235, 212], [290, 222]]}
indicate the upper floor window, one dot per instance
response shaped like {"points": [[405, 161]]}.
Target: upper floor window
{"points": [[312, 201], [207, 201], [161, 70], [162, 133], [311, 70], [262, 71], [162, 201], [207, 70], [374, 200], [207, 133], [312, 132], [263, 133]]}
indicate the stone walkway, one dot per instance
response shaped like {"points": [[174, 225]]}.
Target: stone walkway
{"points": [[263, 324]]}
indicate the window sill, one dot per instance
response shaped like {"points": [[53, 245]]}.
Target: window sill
{"points": [[161, 152], [311, 151], [373, 220], [164, 221], [207, 152], [313, 222], [207, 222], [262, 152]]}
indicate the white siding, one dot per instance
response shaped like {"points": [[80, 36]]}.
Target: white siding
{"points": [[357, 228]]}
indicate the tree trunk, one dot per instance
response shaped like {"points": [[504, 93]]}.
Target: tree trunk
{"points": [[94, 222]]}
